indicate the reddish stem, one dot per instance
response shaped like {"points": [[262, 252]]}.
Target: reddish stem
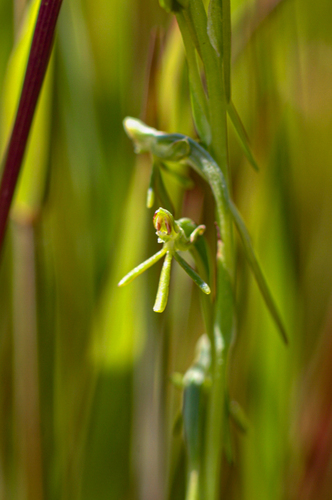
{"points": [[37, 64]]}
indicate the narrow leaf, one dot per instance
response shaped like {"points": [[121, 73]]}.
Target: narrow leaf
{"points": [[193, 275], [197, 93], [215, 25], [242, 134], [200, 118], [256, 269], [226, 5], [163, 288], [142, 267], [219, 31]]}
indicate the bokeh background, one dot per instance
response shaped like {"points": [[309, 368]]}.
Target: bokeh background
{"points": [[86, 407]]}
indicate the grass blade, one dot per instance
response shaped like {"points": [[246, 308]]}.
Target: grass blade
{"points": [[219, 31], [242, 134], [226, 18], [215, 25], [256, 269], [197, 94]]}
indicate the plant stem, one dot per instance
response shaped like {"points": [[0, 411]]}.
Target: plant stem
{"points": [[37, 64], [196, 20]]}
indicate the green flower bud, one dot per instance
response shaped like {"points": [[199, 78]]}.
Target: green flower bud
{"points": [[165, 225]]}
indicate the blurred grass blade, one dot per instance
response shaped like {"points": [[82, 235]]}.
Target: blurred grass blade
{"points": [[14, 75], [118, 337], [197, 94], [242, 134], [170, 87], [256, 269], [193, 275]]}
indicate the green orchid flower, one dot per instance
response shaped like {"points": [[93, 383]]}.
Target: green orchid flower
{"points": [[174, 239]]}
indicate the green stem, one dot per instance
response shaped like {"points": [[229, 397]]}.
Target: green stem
{"points": [[196, 18]]}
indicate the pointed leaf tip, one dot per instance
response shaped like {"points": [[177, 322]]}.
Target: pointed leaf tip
{"points": [[257, 271]]}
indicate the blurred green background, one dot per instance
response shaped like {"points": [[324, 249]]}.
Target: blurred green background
{"points": [[86, 407]]}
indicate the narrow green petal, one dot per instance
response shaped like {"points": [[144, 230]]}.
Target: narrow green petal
{"points": [[142, 267], [163, 288], [193, 275], [257, 271]]}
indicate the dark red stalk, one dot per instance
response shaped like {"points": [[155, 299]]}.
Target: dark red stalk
{"points": [[37, 64]]}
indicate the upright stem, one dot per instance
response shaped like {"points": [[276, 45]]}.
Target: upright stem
{"points": [[196, 19]]}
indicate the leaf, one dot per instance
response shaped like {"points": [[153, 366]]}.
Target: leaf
{"points": [[257, 271], [193, 275], [219, 31], [242, 134], [227, 47], [200, 118], [197, 93], [215, 25]]}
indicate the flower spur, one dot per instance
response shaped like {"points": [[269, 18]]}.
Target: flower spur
{"points": [[171, 233]]}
